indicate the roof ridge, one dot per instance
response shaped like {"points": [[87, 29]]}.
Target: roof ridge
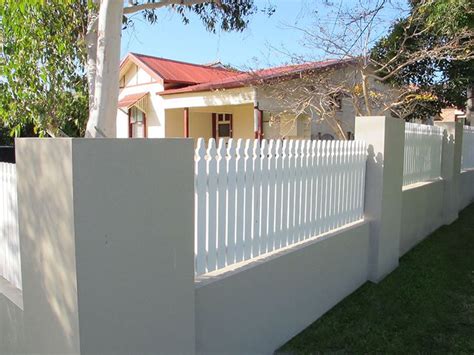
{"points": [[183, 62], [296, 65]]}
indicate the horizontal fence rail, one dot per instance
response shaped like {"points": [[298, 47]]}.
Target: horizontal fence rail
{"points": [[422, 154], [252, 198], [10, 267], [468, 148]]}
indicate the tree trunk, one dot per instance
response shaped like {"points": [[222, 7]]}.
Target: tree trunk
{"points": [[91, 42], [470, 106], [103, 112]]}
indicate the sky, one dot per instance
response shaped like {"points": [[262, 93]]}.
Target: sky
{"points": [[260, 45]]}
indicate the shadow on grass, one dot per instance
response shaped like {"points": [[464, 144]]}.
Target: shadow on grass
{"points": [[425, 305]]}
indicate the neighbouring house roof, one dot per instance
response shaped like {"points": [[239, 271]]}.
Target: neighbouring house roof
{"points": [[241, 79], [173, 71]]}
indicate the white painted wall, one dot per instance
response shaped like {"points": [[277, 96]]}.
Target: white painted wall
{"points": [[139, 81], [466, 190], [422, 212], [258, 307], [385, 138], [10, 267]]}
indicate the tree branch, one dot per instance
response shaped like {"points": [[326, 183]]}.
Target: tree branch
{"points": [[163, 3]]}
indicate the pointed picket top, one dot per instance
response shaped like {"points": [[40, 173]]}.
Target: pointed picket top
{"points": [[291, 148], [240, 149], [296, 148], [322, 150], [302, 149], [256, 149], [278, 148], [231, 148], [314, 148], [247, 148], [285, 150], [221, 149], [200, 149], [347, 151], [264, 148], [334, 145], [309, 148], [211, 149], [271, 149]]}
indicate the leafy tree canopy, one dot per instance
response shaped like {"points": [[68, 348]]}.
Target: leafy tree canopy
{"points": [[430, 25], [42, 69]]}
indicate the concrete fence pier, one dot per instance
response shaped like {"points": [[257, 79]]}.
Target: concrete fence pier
{"points": [[384, 137], [107, 245]]}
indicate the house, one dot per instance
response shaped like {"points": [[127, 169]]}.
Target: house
{"points": [[451, 114], [168, 98]]}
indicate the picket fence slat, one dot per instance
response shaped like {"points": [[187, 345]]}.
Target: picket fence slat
{"points": [[10, 265], [256, 197]]}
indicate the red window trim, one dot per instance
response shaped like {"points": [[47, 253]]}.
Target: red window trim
{"points": [[214, 123]]}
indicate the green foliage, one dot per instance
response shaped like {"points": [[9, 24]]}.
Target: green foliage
{"points": [[230, 15], [42, 69], [430, 25]]}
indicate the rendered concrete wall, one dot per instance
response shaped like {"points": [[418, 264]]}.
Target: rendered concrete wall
{"points": [[466, 188], [12, 331], [103, 256], [450, 168], [48, 258], [422, 213], [385, 138], [257, 308]]}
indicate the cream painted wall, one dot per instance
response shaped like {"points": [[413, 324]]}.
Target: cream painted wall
{"points": [[155, 112], [286, 127], [237, 96], [135, 76], [143, 77], [200, 125], [174, 123], [122, 124], [200, 121], [243, 121]]}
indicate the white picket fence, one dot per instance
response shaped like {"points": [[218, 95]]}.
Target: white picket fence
{"points": [[10, 267], [422, 155], [468, 148], [252, 198]]}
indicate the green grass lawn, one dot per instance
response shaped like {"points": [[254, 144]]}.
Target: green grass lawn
{"points": [[426, 305]]}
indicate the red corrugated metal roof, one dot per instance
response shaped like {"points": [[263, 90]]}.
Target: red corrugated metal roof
{"points": [[180, 72], [244, 79]]}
